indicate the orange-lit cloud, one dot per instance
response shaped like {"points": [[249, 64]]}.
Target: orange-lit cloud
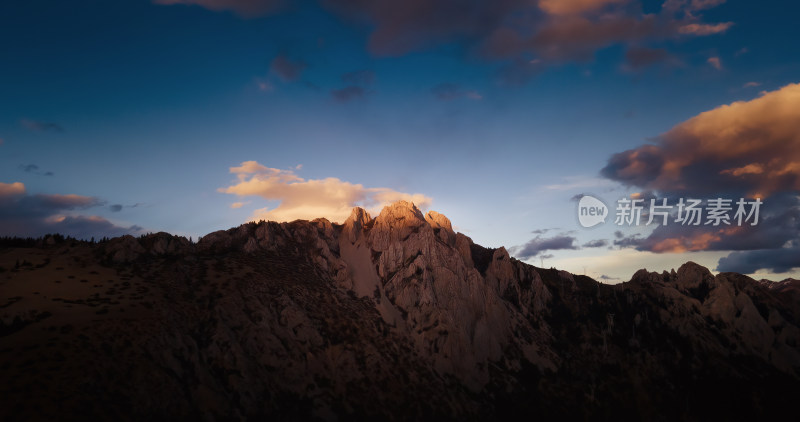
{"points": [[10, 189], [747, 146], [715, 62], [704, 28], [331, 198], [571, 7]]}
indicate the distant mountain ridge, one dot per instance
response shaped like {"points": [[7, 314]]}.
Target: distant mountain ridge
{"points": [[396, 316]]}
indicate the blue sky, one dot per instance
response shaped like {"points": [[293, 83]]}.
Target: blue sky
{"points": [[493, 113]]}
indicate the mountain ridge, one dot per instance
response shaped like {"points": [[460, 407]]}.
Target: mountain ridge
{"points": [[395, 316]]}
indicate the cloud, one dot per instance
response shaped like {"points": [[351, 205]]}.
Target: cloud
{"points": [[287, 69], [237, 205], [1, 141], [745, 148], [539, 244], [33, 168], [637, 58], [774, 260], [623, 241], [571, 7], [36, 215], [704, 29], [773, 230], [348, 93], [448, 91], [718, 151], [521, 30], [715, 62], [515, 32], [38, 126], [243, 8], [751, 84], [578, 182], [299, 198], [11, 189], [578, 37], [599, 243], [119, 207], [697, 5]]}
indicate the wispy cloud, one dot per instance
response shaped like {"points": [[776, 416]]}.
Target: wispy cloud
{"points": [[34, 169], [579, 182], [38, 126]]}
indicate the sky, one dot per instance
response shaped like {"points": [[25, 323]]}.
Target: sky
{"points": [[191, 116]]}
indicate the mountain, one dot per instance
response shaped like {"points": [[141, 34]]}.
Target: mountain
{"points": [[395, 317]]}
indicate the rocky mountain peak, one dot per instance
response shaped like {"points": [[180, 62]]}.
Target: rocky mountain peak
{"points": [[400, 213], [355, 224], [437, 220]]}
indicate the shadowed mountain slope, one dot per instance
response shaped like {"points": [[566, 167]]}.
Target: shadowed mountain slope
{"points": [[396, 317]]}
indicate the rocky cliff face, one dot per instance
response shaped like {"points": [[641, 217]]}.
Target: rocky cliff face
{"points": [[396, 316]]}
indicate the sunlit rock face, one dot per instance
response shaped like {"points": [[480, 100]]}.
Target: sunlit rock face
{"points": [[395, 317]]}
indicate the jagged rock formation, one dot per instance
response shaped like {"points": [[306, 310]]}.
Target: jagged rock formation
{"points": [[396, 316]]}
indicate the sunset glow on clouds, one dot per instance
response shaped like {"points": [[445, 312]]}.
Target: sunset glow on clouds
{"points": [[748, 148], [751, 147], [36, 215], [330, 198]]}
